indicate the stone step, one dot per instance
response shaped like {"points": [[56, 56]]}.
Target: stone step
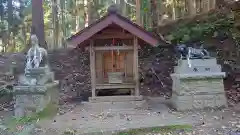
{"points": [[115, 98], [102, 106]]}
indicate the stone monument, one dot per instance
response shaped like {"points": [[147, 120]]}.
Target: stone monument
{"points": [[198, 85], [36, 88]]}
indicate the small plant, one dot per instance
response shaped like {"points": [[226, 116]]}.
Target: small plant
{"points": [[164, 129], [49, 111], [69, 132]]}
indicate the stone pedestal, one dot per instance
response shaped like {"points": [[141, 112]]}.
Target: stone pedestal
{"points": [[34, 96], [198, 87]]}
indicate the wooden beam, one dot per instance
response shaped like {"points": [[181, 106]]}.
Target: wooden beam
{"points": [[111, 31], [92, 68], [114, 35], [135, 66], [109, 48]]}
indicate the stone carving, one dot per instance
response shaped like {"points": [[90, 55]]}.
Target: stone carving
{"points": [[36, 69], [36, 88], [191, 53], [36, 56]]}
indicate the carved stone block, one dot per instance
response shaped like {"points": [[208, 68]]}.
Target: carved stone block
{"points": [[200, 89]]}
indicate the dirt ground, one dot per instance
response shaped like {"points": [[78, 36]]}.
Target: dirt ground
{"points": [[88, 119]]}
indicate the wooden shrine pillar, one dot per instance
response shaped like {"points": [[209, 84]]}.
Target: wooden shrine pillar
{"points": [[135, 66], [92, 68]]}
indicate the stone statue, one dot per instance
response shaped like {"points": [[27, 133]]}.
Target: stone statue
{"points": [[36, 69], [191, 53], [36, 56]]}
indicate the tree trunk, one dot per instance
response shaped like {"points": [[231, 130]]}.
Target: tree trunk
{"points": [[86, 18], [63, 6], [38, 21], [124, 10], [23, 32], [174, 10], [90, 14], [192, 7], [138, 12], [10, 21], [154, 15], [1, 11], [55, 23]]}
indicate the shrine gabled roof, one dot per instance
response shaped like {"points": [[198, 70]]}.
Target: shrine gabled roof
{"points": [[114, 18]]}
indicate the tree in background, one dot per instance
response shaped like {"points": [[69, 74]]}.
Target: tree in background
{"points": [[56, 20], [38, 21]]}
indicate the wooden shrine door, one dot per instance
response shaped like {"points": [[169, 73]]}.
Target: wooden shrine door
{"points": [[114, 61]]}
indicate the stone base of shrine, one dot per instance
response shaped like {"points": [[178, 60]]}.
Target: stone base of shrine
{"points": [[192, 91], [115, 99], [194, 102], [30, 100]]}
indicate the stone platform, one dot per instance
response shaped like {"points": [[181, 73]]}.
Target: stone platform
{"points": [[197, 87], [36, 91]]}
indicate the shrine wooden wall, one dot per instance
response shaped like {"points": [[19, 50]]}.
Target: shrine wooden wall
{"points": [[103, 62]]}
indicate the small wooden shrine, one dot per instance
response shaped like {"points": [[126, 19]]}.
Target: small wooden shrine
{"points": [[113, 42]]}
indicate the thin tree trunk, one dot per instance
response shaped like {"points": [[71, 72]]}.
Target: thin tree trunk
{"points": [[55, 23], [138, 12], [1, 11], [23, 32], [192, 7], [63, 6], [154, 15], [10, 20], [90, 14], [77, 28], [124, 10], [38, 21], [174, 10], [1, 21], [86, 17]]}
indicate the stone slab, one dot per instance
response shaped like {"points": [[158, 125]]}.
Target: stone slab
{"points": [[189, 87], [198, 69], [115, 99], [101, 106], [199, 75], [38, 89], [198, 62], [184, 103]]}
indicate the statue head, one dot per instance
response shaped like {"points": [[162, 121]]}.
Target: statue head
{"points": [[34, 40]]}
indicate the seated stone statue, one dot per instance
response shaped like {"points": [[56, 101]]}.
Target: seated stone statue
{"points": [[36, 56], [36, 70]]}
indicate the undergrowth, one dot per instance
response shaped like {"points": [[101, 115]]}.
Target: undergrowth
{"points": [[164, 129], [48, 112], [219, 26]]}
